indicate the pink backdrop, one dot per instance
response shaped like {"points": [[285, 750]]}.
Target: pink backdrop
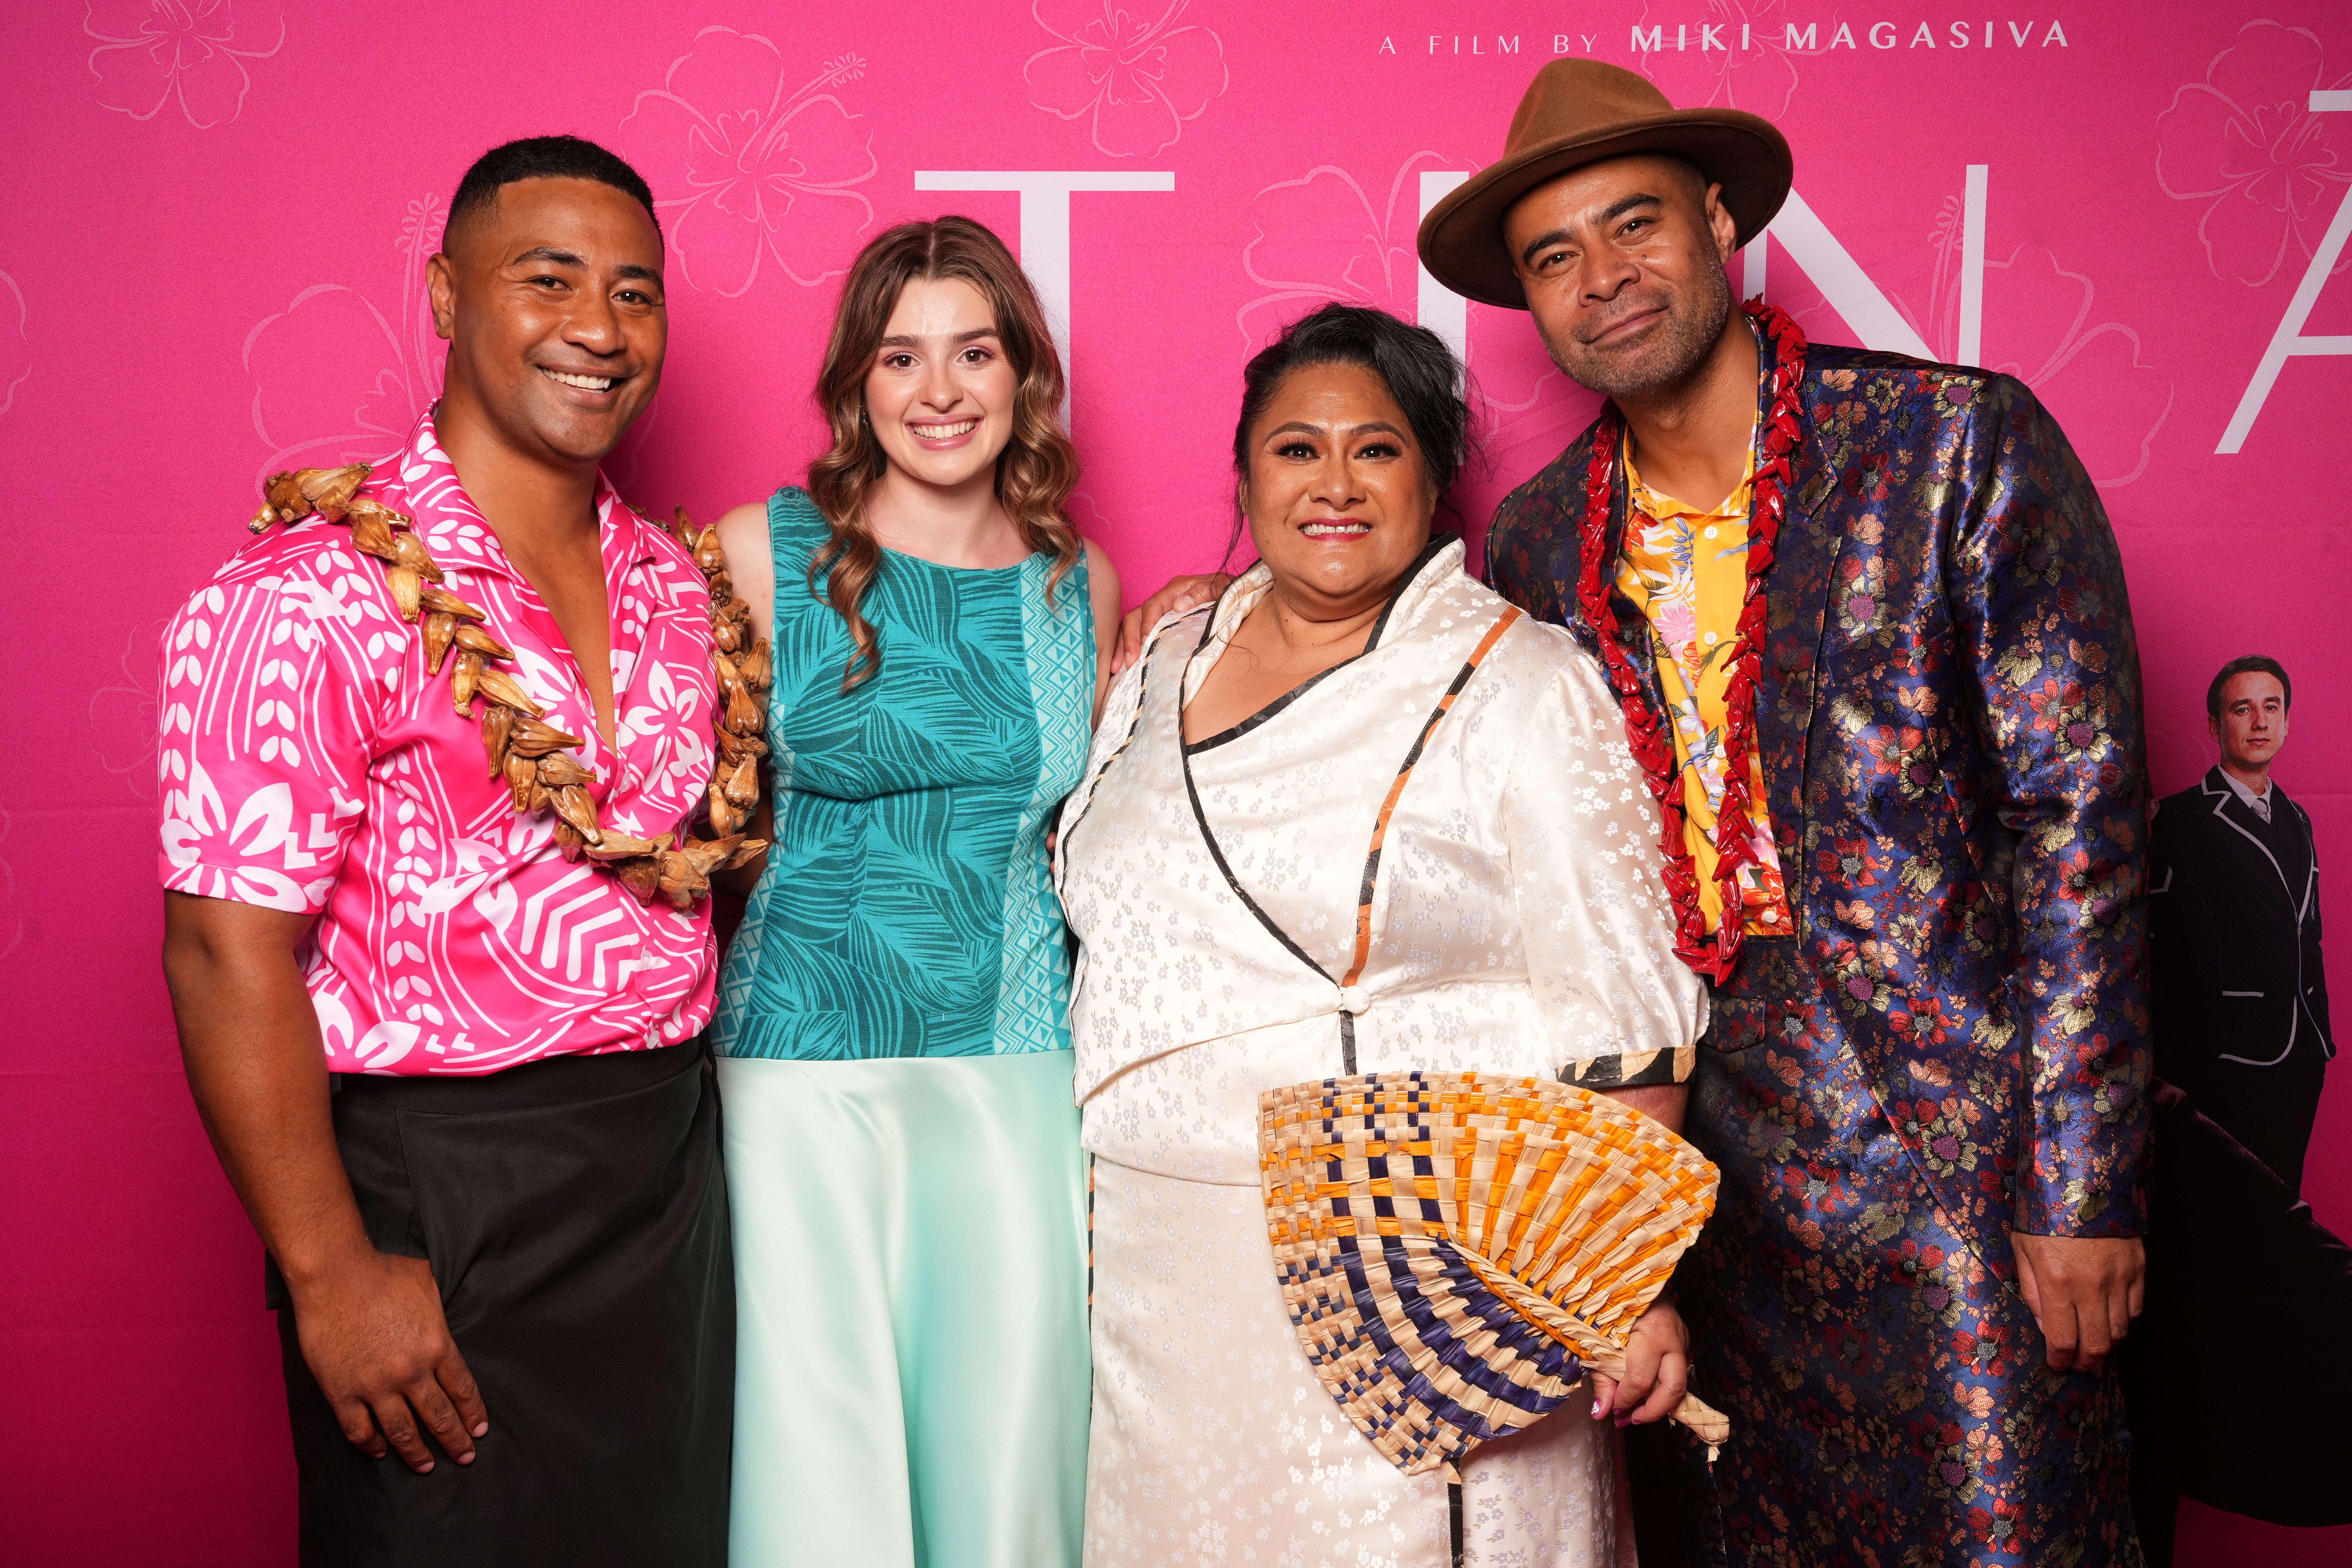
{"points": [[217, 213]]}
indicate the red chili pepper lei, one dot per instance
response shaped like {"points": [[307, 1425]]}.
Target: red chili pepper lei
{"points": [[1645, 726]]}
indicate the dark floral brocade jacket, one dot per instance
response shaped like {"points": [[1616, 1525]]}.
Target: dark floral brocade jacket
{"points": [[1950, 715]]}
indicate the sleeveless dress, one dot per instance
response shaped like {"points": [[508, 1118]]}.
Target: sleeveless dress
{"points": [[895, 1061]]}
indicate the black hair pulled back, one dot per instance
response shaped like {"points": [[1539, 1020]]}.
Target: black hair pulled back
{"points": [[1420, 371], [1413, 363]]}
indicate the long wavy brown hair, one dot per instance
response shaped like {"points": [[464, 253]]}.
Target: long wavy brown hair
{"points": [[1038, 468]]}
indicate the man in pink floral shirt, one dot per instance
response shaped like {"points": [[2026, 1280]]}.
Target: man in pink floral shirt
{"points": [[312, 765], [455, 1077]]}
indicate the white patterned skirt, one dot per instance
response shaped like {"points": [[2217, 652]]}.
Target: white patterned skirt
{"points": [[1214, 1443]]}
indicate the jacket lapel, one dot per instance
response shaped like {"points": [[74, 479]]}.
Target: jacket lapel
{"points": [[1632, 626], [1797, 593], [2240, 817], [2300, 821]]}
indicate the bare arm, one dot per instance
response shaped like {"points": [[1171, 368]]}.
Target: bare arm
{"points": [[1102, 595], [752, 562], [371, 1323], [1623, 1011], [1657, 1353], [1661, 1103]]}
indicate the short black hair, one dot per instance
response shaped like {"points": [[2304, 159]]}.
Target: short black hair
{"points": [[545, 158], [2252, 664], [1420, 371]]}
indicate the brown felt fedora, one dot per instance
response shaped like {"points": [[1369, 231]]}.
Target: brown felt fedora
{"points": [[1577, 112]]}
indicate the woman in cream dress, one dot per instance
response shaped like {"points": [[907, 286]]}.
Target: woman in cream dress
{"points": [[1358, 815]]}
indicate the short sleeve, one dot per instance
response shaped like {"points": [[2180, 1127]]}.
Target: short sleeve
{"points": [[274, 680], [1622, 1009]]}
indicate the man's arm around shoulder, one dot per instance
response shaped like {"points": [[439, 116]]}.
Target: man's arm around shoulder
{"points": [[371, 1323]]}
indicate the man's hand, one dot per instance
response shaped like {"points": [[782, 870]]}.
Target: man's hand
{"points": [[2084, 1290], [374, 1337], [370, 1323], [1180, 594], [1657, 1370]]}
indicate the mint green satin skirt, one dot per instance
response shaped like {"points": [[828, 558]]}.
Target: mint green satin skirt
{"points": [[912, 1369]]}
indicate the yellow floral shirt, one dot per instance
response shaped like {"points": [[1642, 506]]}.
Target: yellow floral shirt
{"points": [[1686, 568]]}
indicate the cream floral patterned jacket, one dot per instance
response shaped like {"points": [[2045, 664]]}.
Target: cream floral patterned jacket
{"points": [[1439, 855]]}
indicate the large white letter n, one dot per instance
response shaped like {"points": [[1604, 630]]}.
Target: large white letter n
{"points": [[2288, 340]]}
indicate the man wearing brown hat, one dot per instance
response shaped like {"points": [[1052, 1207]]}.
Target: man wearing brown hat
{"points": [[1867, 622]]}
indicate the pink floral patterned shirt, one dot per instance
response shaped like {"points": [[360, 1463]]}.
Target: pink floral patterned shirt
{"points": [[308, 763]]}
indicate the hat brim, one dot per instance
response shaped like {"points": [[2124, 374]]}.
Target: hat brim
{"points": [[1461, 240]]}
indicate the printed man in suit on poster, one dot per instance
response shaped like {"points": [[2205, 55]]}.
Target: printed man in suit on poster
{"points": [[2242, 1026], [2241, 994]]}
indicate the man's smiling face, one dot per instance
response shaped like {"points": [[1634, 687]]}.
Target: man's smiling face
{"points": [[1622, 264], [552, 301]]}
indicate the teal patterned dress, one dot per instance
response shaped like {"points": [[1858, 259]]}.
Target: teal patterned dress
{"points": [[902, 1148]]}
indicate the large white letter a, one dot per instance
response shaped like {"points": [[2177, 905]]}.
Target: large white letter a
{"points": [[2289, 342]]}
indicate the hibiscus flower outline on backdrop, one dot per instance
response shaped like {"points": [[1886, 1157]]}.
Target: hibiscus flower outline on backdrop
{"points": [[1760, 77], [2112, 377], [1140, 78], [771, 172], [123, 716], [338, 381], [151, 51], [1322, 237], [2038, 329], [2244, 141], [15, 347], [1318, 237]]}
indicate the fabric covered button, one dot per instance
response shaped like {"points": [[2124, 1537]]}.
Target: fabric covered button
{"points": [[1355, 999]]}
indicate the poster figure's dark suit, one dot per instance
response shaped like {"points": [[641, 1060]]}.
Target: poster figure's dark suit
{"points": [[2232, 1253], [1952, 1043], [2240, 998], [2242, 1026]]}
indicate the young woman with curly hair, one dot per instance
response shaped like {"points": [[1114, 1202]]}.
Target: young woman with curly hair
{"points": [[902, 1153]]}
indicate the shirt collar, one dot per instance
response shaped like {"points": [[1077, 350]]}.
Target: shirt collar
{"points": [[2243, 790], [452, 528], [1659, 507]]}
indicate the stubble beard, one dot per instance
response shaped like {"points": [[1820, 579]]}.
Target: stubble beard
{"points": [[1693, 324]]}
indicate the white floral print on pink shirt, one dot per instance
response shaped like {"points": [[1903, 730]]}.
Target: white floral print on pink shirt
{"points": [[308, 763]]}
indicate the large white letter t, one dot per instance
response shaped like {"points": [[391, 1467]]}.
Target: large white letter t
{"points": [[1046, 228]]}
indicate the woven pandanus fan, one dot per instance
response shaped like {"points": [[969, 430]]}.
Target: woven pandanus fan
{"points": [[1458, 1252]]}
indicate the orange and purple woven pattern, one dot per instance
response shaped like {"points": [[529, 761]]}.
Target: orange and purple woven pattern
{"points": [[1457, 1252]]}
